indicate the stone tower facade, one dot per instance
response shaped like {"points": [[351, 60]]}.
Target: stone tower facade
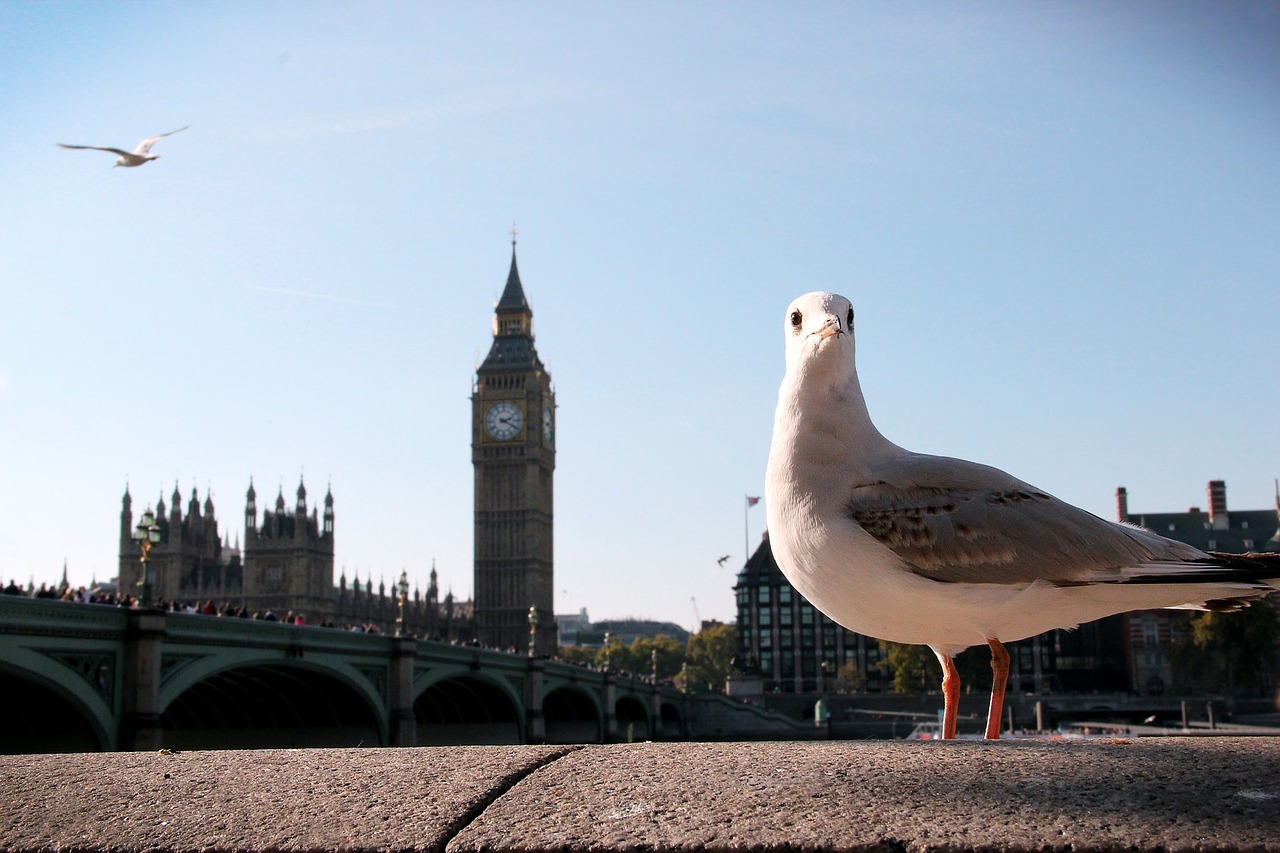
{"points": [[286, 563], [189, 561], [513, 418], [284, 568], [288, 558]]}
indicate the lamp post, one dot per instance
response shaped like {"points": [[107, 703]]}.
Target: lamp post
{"points": [[146, 534], [533, 630], [653, 660], [402, 587]]}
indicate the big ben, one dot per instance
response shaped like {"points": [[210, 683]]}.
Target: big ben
{"points": [[513, 417]]}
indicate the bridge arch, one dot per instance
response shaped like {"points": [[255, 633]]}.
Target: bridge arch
{"points": [[572, 715], [465, 708], [633, 719], [145, 679], [671, 720], [45, 706], [270, 703]]}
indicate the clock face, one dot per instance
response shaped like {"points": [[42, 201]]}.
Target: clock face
{"points": [[548, 427], [503, 420]]}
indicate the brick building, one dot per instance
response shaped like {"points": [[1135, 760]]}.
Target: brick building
{"points": [[1150, 632]]}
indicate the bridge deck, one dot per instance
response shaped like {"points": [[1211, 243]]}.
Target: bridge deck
{"points": [[1168, 793]]}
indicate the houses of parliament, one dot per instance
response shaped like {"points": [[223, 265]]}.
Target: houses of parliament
{"points": [[284, 564]]}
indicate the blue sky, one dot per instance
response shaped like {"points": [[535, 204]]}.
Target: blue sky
{"points": [[1059, 224]]}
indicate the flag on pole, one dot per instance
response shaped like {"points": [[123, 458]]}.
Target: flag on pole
{"points": [[746, 538]]}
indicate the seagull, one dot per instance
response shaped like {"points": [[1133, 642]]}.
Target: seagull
{"points": [[141, 154], [930, 550]]}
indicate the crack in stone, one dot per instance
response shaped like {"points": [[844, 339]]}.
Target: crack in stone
{"points": [[502, 786]]}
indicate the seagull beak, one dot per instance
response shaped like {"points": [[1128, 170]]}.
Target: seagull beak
{"points": [[830, 327]]}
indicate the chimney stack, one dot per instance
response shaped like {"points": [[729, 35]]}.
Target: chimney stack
{"points": [[1122, 504], [1218, 504]]}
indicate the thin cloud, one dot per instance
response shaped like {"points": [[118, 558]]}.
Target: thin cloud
{"points": [[483, 101], [323, 297]]}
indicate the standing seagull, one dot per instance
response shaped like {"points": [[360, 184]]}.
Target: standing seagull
{"points": [[946, 553], [141, 154]]}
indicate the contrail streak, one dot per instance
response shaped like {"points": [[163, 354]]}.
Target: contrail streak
{"points": [[304, 294]]}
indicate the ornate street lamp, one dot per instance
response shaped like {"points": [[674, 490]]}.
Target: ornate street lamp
{"points": [[533, 630], [146, 534], [653, 659], [402, 587], [607, 639]]}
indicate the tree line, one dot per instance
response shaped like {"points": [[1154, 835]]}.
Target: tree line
{"points": [[699, 666]]}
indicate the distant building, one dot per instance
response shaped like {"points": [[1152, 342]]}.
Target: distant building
{"points": [[1215, 529], [626, 631], [284, 568], [577, 629], [569, 624], [1150, 632], [786, 642]]}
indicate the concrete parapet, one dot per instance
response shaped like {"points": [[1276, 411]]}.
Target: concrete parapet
{"points": [[1142, 794]]}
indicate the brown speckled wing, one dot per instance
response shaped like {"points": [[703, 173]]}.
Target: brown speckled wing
{"points": [[998, 536]]}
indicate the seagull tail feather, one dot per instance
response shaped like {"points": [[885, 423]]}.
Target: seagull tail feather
{"points": [[1257, 566]]}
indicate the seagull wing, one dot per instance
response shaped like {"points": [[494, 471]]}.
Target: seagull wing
{"points": [[144, 147], [955, 521], [97, 148]]}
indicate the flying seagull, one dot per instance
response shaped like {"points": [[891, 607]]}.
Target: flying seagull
{"points": [[141, 154], [942, 552]]}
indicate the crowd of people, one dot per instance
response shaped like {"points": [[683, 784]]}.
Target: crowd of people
{"points": [[109, 596], [114, 598], [85, 595]]}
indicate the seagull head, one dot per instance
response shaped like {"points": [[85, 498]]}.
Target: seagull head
{"points": [[819, 336]]}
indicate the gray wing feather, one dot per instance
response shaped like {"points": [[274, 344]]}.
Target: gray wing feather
{"points": [[957, 521], [94, 148], [144, 147]]}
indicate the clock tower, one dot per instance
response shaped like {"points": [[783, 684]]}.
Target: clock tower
{"points": [[513, 416]]}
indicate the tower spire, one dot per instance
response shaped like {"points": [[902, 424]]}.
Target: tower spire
{"points": [[512, 299], [512, 328]]}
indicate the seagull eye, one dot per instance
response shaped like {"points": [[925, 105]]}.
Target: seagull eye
{"points": [[796, 319], [849, 321]]}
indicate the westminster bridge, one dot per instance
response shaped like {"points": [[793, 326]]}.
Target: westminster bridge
{"points": [[85, 677]]}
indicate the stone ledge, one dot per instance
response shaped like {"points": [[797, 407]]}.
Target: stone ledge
{"points": [[1142, 794]]}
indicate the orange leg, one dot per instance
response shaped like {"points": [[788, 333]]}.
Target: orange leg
{"points": [[999, 677], [950, 695]]}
